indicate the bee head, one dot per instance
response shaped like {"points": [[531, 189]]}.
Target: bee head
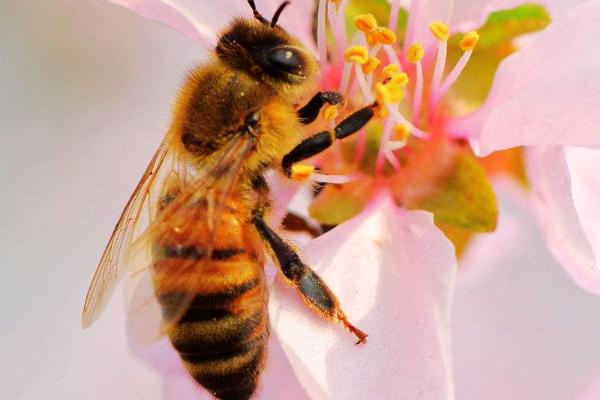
{"points": [[267, 52]]}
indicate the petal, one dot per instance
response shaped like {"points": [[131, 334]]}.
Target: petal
{"points": [[561, 224], [393, 272], [521, 329], [548, 93], [201, 21]]}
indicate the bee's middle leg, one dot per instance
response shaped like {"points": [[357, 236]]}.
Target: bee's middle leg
{"points": [[312, 288]]}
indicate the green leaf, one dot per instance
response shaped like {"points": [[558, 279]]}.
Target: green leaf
{"points": [[464, 198]]}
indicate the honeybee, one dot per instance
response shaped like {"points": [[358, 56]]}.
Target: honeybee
{"points": [[198, 214]]}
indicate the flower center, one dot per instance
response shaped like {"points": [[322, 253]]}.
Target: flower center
{"points": [[374, 67]]}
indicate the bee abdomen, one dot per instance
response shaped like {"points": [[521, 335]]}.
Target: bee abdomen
{"points": [[222, 337]]}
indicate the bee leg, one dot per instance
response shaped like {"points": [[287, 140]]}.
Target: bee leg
{"points": [[310, 111], [311, 287], [321, 141]]}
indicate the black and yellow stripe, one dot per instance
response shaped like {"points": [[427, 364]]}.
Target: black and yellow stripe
{"points": [[222, 337]]}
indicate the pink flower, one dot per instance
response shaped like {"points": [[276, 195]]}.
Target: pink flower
{"points": [[392, 268]]}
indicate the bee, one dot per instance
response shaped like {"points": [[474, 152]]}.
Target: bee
{"points": [[195, 226]]}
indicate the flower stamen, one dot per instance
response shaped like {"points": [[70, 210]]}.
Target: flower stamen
{"points": [[414, 55], [441, 32], [467, 44]]}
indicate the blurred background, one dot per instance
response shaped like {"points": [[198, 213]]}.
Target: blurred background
{"points": [[85, 93]]}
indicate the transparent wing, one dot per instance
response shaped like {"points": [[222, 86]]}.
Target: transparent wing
{"points": [[138, 208], [147, 320]]}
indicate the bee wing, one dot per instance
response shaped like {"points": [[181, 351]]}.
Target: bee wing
{"points": [[111, 268], [145, 323]]}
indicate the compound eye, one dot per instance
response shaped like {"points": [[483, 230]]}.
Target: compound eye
{"points": [[285, 58]]}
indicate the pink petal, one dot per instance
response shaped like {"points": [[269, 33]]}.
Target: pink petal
{"points": [[547, 93], [393, 272], [201, 20], [560, 222]]}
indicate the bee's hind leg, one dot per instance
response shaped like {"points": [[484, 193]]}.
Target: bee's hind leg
{"points": [[311, 287], [310, 111]]}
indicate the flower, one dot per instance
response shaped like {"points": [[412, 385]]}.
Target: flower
{"points": [[416, 152]]}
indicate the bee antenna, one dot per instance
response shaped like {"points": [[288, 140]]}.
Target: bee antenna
{"points": [[278, 13], [257, 15]]}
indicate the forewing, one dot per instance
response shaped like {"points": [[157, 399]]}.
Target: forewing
{"points": [[214, 181], [138, 214]]}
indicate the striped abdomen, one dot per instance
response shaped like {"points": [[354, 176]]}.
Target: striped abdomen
{"points": [[222, 337]]}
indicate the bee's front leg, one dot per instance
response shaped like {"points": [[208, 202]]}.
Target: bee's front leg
{"points": [[310, 111], [321, 141], [311, 287]]}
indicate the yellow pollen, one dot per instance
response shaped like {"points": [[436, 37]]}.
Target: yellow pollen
{"points": [[371, 65], [330, 112], [382, 94], [388, 93], [440, 30], [401, 132], [415, 53], [390, 70], [357, 54], [365, 22], [469, 41], [385, 36], [400, 78], [302, 172], [371, 38]]}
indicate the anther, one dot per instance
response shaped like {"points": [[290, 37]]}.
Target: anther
{"points": [[357, 54], [365, 22], [385, 36], [390, 70], [301, 172], [440, 30], [401, 79], [401, 132], [469, 41], [371, 65], [415, 53]]}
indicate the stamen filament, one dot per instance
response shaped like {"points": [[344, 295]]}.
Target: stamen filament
{"points": [[321, 33], [338, 26], [362, 83], [399, 118], [389, 155], [440, 64], [385, 137], [450, 79], [418, 95], [395, 9]]}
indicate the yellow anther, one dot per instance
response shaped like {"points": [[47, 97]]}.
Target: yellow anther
{"points": [[382, 94], [302, 172], [385, 35], [440, 30], [401, 78], [365, 22], [371, 65], [357, 54], [401, 132], [390, 70], [469, 41], [415, 53], [388, 93], [371, 38], [330, 112]]}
